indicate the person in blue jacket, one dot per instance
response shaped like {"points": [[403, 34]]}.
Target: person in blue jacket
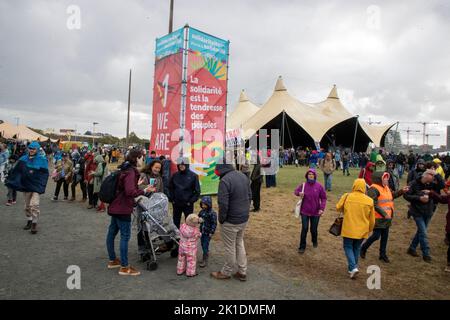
{"points": [[30, 176]]}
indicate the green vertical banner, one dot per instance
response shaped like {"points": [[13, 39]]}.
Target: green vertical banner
{"points": [[206, 103]]}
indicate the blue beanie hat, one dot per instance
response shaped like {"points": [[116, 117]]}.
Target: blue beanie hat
{"points": [[34, 145]]}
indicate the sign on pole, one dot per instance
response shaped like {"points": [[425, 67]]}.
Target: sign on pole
{"points": [[190, 93]]}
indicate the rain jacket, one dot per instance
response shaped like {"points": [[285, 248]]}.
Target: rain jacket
{"points": [[189, 236], [414, 174], [418, 208], [127, 190], [101, 172], [184, 187], [366, 174], [30, 174], [209, 216], [359, 213], [90, 166], [315, 197], [234, 195]]}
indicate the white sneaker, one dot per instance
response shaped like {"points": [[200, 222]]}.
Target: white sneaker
{"points": [[353, 273]]}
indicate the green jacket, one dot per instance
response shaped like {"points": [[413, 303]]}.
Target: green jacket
{"points": [[100, 173]]}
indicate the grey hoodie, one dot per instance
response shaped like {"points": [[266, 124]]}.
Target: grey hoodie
{"points": [[234, 195]]}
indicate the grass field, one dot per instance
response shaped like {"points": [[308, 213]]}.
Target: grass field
{"points": [[273, 234]]}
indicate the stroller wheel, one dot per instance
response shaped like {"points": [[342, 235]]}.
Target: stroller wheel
{"points": [[152, 265]]}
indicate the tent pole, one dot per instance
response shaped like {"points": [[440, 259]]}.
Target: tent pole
{"points": [[356, 130], [289, 133], [282, 130]]}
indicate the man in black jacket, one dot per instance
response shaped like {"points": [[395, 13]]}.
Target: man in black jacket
{"points": [[234, 198], [184, 191], [422, 208]]}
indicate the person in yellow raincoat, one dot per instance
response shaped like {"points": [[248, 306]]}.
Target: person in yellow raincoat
{"points": [[359, 221]]}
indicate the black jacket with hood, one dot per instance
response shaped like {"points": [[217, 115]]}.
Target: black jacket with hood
{"points": [[416, 190], [234, 195], [184, 187], [414, 174]]}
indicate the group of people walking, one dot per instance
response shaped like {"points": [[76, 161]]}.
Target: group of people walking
{"points": [[368, 210]]}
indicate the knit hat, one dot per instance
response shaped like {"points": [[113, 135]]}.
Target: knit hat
{"points": [[34, 145]]}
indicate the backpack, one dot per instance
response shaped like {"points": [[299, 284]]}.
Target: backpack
{"points": [[108, 189]]}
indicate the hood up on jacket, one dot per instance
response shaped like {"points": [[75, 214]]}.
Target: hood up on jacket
{"points": [[223, 169], [206, 200], [183, 161], [99, 159], [369, 165], [313, 171], [359, 185]]}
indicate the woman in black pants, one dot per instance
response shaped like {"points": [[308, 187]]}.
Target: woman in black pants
{"points": [[256, 180]]}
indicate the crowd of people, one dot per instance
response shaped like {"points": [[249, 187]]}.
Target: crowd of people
{"points": [[367, 210]]}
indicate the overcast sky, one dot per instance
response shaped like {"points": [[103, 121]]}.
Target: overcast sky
{"points": [[389, 59]]}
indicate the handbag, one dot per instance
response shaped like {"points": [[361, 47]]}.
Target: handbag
{"points": [[336, 227], [298, 206]]}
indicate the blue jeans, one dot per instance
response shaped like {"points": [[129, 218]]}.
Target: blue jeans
{"points": [[345, 168], [421, 235], [352, 248], [125, 230], [377, 234], [204, 240], [327, 181], [401, 170], [306, 221]]}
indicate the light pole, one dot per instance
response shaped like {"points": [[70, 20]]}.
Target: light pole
{"points": [[93, 133], [17, 121]]}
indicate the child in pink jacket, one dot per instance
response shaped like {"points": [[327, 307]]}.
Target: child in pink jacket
{"points": [[187, 252]]}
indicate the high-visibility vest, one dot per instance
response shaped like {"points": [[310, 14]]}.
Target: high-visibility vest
{"points": [[385, 201]]}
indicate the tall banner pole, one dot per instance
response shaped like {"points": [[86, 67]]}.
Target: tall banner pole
{"points": [[226, 103], [184, 88]]}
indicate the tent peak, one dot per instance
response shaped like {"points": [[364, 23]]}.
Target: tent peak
{"points": [[243, 97], [280, 85], [333, 93]]}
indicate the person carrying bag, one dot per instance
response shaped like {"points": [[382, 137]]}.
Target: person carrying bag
{"points": [[358, 221]]}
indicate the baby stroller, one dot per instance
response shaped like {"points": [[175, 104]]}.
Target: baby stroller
{"points": [[159, 230]]}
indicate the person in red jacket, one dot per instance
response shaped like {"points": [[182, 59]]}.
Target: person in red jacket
{"points": [[120, 211], [366, 173]]}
